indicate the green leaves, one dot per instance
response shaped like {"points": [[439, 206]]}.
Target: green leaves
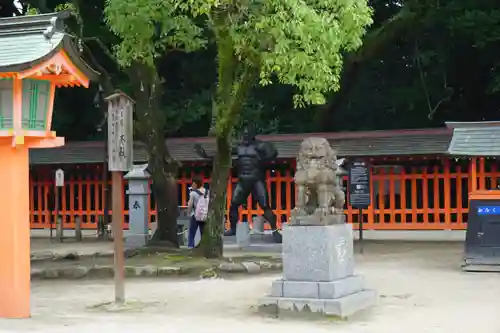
{"points": [[294, 42], [305, 43], [148, 28]]}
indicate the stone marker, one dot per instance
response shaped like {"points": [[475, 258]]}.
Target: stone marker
{"points": [[59, 227], [258, 224], [138, 192], [243, 234], [78, 229], [182, 225], [318, 256], [183, 220]]}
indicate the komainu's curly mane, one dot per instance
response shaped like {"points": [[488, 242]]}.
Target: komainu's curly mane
{"points": [[319, 197]]}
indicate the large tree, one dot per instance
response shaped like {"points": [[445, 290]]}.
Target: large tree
{"points": [[296, 43], [148, 31], [142, 77]]}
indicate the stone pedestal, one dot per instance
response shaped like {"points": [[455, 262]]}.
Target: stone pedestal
{"points": [[247, 237], [318, 273], [138, 192]]}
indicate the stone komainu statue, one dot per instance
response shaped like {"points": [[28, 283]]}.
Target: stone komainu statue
{"points": [[320, 199]]}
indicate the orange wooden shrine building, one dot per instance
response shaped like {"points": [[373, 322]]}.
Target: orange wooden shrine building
{"points": [[416, 185]]}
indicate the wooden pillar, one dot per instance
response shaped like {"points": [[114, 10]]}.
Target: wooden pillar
{"points": [[458, 190], [425, 194], [473, 175], [120, 159], [402, 197], [14, 232], [119, 260], [414, 202], [481, 174], [447, 193]]}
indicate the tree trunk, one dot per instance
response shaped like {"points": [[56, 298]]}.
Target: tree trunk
{"points": [[164, 189], [235, 79], [212, 242], [163, 168], [225, 122]]}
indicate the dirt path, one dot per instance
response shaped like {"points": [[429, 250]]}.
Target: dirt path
{"points": [[421, 290]]}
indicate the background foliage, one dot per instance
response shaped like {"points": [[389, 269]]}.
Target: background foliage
{"points": [[438, 58]]}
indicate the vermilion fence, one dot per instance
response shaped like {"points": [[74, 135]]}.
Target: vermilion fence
{"points": [[406, 196]]}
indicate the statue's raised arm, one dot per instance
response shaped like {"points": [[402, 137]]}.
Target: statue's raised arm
{"points": [[200, 151], [267, 151]]}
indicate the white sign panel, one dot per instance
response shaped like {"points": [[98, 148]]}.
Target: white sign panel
{"points": [[120, 133], [59, 178]]}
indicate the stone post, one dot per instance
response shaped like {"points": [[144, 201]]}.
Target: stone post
{"points": [[183, 226], [138, 192], [243, 234], [78, 228], [59, 228]]}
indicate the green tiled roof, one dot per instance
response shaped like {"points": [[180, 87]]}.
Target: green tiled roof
{"points": [[475, 139], [28, 40], [346, 144]]}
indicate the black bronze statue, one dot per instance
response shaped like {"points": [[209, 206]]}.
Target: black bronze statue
{"points": [[251, 158]]}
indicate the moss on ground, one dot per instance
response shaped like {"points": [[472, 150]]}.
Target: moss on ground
{"points": [[188, 262]]}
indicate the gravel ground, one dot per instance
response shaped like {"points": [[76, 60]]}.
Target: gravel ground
{"points": [[421, 290]]}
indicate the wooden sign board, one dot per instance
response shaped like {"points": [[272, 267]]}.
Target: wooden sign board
{"points": [[120, 132], [59, 178]]}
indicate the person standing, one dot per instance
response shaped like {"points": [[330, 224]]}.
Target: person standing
{"points": [[197, 208]]}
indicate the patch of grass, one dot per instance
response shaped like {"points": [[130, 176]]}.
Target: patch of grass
{"points": [[209, 273], [171, 260], [188, 263]]}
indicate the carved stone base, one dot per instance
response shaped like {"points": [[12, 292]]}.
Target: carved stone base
{"points": [[342, 307], [318, 253], [318, 273], [135, 241], [311, 220]]}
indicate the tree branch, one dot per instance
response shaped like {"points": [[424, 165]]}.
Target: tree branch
{"points": [[432, 110], [103, 47], [422, 78], [105, 77]]}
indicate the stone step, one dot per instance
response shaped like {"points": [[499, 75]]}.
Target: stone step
{"points": [[342, 307], [319, 290]]}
